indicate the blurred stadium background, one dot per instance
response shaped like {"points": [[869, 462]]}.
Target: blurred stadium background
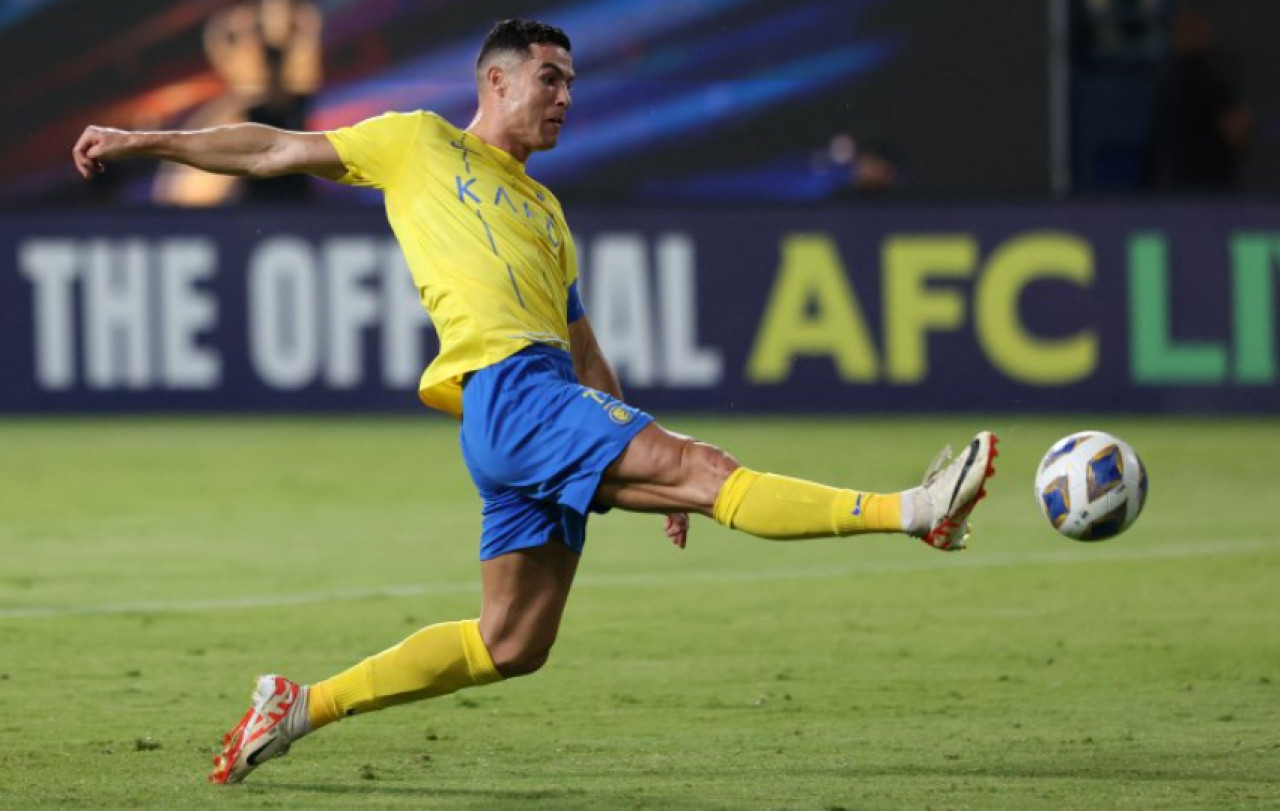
{"points": [[860, 228], [780, 205]]}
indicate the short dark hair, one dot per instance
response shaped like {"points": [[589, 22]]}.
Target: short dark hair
{"points": [[518, 36]]}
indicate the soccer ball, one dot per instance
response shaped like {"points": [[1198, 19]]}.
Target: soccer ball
{"points": [[1091, 486]]}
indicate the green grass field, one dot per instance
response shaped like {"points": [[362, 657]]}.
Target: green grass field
{"points": [[151, 568]]}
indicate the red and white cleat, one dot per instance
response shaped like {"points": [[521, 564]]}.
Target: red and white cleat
{"points": [[954, 487], [264, 731]]}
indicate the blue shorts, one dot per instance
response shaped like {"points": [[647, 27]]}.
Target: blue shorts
{"points": [[537, 442]]}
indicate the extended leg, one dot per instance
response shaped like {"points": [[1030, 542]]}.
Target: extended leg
{"points": [[524, 595], [664, 472]]}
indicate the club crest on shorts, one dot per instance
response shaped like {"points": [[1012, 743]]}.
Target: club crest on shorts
{"points": [[621, 414]]}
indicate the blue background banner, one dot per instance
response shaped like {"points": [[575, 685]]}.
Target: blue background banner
{"points": [[1104, 307]]}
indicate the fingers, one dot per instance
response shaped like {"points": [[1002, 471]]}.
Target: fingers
{"points": [[80, 155], [678, 529], [84, 153]]}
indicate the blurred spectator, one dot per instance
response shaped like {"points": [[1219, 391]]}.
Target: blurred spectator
{"points": [[268, 54], [284, 109], [1118, 31], [1199, 126], [869, 168]]}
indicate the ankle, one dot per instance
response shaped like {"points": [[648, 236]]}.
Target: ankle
{"points": [[298, 722], [916, 511]]}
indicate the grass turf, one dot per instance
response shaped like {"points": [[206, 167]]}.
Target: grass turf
{"points": [[152, 568]]}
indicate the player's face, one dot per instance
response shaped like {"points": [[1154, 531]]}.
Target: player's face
{"points": [[538, 97]]}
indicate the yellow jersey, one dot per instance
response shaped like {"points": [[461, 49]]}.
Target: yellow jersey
{"points": [[487, 244]]}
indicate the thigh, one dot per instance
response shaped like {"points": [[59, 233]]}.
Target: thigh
{"points": [[662, 471], [524, 597]]}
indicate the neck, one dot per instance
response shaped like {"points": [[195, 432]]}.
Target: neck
{"points": [[487, 129]]}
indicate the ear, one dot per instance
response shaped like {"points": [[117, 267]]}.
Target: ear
{"points": [[495, 78]]}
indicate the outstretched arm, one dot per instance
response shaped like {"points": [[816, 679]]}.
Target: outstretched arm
{"points": [[254, 150]]}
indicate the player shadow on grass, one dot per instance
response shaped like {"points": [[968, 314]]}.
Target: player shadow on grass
{"points": [[426, 789], [850, 774]]}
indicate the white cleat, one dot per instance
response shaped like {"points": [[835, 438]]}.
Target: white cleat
{"points": [[263, 732], [953, 487]]}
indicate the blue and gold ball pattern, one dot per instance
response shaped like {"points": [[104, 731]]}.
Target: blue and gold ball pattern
{"points": [[1091, 486]]}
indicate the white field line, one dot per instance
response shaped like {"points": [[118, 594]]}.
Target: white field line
{"points": [[927, 563]]}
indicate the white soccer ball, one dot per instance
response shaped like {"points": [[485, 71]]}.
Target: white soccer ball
{"points": [[1091, 486]]}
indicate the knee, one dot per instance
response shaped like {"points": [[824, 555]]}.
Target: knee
{"points": [[707, 467], [514, 658], [718, 463]]}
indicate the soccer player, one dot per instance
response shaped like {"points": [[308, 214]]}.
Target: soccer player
{"points": [[544, 430]]}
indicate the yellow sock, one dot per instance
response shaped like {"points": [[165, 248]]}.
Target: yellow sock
{"points": [[434, 661], [783, 509]]}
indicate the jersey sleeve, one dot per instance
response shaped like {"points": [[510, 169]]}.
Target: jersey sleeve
{"points": [[374, 149], [574, 309]]}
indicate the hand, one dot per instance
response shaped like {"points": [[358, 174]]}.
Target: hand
{"points": [[678, 528], [96, 145]]}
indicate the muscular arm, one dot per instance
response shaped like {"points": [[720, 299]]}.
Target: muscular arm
{"points": [[253, 150], [589, 363]]}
